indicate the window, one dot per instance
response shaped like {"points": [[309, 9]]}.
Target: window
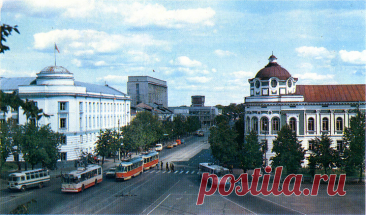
{"points": [[339, 145], [62, 106], [274, 83], [325, 124], [275, 125], [63, 140], [63, 156], [311, 146], [339, 124], [255, 124], [247, 125], [81, 138], [311, 124], [62, 122], [81, 106], [90, 107], [293, 124], [264, 124]]}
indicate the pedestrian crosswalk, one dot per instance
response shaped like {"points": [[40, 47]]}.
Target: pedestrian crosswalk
{"points": [[185, 172]]}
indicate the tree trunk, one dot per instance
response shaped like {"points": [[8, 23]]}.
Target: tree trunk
{"points": [[360, 177]]}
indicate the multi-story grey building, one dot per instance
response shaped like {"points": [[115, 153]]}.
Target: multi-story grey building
{"points": [[147, 90]]}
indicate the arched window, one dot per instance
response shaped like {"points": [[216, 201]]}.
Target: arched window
{"points": [[264, 125], [339, 124], [293, 124], [255, 124], [247, 124], [325, 124], [311, 124], [275, 125]]}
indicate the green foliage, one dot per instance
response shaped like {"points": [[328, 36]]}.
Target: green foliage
{"points": [[251, 155], [143, 132], [323, 154], [222, 141], [354, 137], [104, 143], [179, 125], [192, 124], [288, 150], [5, 142], [39, 145], [5, 31], [23, 208]]}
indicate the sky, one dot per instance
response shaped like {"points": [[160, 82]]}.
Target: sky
{"points": [[208, 48]]}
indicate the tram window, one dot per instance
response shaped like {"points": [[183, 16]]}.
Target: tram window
{"points": [[32, 175], [23, 178], [36, 175]]}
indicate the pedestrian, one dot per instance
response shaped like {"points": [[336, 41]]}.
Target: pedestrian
{"points": [[161, 166], [172, 167], [167, 166]]}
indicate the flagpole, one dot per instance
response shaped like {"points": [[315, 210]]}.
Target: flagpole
{"points": [[54, 51]]}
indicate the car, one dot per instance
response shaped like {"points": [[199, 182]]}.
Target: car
{"points": [[169, 146], [175, 144], [111, 172], [158, 147]]}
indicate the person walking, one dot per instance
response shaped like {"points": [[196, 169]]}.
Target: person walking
{"points": [[161, 165], [167, 166]]}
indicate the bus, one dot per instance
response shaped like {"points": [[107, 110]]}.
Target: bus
{"points": [[26, 179], [150, 160], [82, 178], [219, 171], [129, 168]]}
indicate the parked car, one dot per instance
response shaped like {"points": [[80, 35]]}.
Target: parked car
{"points": [[175, 144], [158, 147], [111, 172], [169, 146]]}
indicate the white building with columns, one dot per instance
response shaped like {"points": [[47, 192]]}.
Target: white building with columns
{"points": [[310, 110], [77, 109]]}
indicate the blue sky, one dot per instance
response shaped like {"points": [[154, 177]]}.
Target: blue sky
{"points": [[206, 48]]}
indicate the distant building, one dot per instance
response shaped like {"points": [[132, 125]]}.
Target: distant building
{"points": [[310, 110], [147, 90], [198, 101], [77, 109], [206, 114]]}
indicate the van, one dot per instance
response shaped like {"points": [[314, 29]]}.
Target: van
{"points": [[158, 147]]}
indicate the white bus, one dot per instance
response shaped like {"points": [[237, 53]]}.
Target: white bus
{"points": [[82, 178], [219, 171], [26, 179]]}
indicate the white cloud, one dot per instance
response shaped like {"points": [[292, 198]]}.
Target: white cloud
{"points": [[91, 40], [199, 79], [214, 70], [243, 74], [186, 62], [222, 53], [315, 52], [354, 57], [9, 73], [313, 76], [138, 14], [114, 79]]}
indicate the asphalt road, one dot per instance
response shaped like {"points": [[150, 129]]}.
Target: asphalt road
{"points": [[161, 192]]}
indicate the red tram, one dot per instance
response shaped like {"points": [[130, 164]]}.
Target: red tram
{"points": [[129, 168], [150, 160]]}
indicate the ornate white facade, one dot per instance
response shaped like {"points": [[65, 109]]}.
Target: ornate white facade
{"points": [[77, 109], [310, 110]]}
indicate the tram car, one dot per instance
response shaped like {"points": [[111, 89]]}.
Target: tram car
{"points": [[129, 168]]}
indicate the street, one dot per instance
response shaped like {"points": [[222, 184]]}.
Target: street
{"points": [[165, 192]]}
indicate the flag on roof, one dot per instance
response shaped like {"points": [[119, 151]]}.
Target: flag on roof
{"points": [[57, 48]]}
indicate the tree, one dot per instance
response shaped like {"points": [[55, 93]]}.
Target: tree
{"points": [[179, 125], [288, 150], [192, 124], [323, 154], [222, 141], [251, 155], [144, 131], [39, 145], [354, 138], [5, 31], [104, 143], [5, 142]]}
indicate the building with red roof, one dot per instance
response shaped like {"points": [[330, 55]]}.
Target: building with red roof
{"points": [[310, 110]]}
